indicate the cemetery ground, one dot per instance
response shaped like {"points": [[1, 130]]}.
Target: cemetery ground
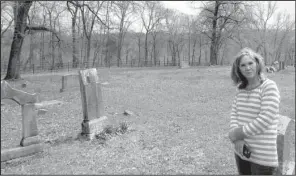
{"points": [[179, 126]]}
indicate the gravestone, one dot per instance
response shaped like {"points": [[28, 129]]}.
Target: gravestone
{"points": [[94, 119], [31, 107], [286, 165], [69, 82], [30, 142]]}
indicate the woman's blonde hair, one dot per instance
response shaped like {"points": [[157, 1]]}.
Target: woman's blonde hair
{"points": [[236, 75]]}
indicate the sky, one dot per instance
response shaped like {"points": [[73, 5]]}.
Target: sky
{"points": [[185, 6]]}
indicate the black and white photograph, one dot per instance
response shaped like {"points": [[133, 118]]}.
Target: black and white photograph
{"points": [[148, 87]]}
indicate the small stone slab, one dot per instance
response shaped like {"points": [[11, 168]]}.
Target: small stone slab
{"points": [[69, 82], [9, 154], [30, 140]]}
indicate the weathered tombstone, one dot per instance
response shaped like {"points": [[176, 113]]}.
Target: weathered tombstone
{"points": [[30, 142], [69, 82], [31, 107], [286, 165], [94, 118]]}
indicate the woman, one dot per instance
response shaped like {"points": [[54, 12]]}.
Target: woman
{"points": [[254, 116]]}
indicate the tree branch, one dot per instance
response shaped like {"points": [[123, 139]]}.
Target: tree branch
{"points": [[79, 5], [42, 28]]}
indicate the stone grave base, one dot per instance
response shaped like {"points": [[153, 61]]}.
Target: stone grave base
{"points": [[30, 141], [9, 154], [93, 127]]}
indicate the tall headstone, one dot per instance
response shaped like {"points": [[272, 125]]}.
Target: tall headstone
{"points": [[94, 118], [284, 145]]}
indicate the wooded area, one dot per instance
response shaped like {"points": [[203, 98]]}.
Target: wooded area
{"points": [[51, 33]]}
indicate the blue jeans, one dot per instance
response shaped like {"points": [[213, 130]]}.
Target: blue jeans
{"points": [[248, 168]]}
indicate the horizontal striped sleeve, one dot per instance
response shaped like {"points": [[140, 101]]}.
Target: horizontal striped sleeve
{"points": [[233, 115], [268, 112]]}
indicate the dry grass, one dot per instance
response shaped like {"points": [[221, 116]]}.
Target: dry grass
{"points": [[180, 124]]}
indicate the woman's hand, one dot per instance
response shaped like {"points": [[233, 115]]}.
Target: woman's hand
{"points": [[236, 134], [239, 147]]}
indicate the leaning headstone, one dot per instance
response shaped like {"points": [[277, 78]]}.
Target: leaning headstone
{"points": [[94, 118], [69, 82], [286, 165]]}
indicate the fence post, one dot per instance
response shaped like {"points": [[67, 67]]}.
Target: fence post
{"points": [[33, 68], [68, 65]]}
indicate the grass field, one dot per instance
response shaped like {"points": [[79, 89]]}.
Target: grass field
{"points": [[180, 124]]}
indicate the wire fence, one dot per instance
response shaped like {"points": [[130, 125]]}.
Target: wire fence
{"points": [[69, 66]]}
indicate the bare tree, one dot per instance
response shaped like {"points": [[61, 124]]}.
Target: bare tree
{"points": [[260, 16], [283, 28], [139, 44], [21, 14], [89, 16], [74, 10], [151, 15], [53, 13], [176, 27], [6, 16], [218, 16], [123, 11], [32, 47]]}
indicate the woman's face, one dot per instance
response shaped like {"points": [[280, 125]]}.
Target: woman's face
{"points": [[248, 67]]}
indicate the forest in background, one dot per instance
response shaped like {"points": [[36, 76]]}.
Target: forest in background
{"points": [[100, 33]]}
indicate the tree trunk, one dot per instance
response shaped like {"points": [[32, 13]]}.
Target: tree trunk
{"points": [[200, 45], [146, 48], [42, 56], [120, 40], [154, 49], [60, 54], [75, 60], [52, 52], [214, 43], [189, 40], [139, 46], [88, 51], [193, 51], [126, 57], [13, 70]]}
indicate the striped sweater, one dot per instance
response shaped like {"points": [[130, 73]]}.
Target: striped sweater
{"points": [[257, 112]]}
